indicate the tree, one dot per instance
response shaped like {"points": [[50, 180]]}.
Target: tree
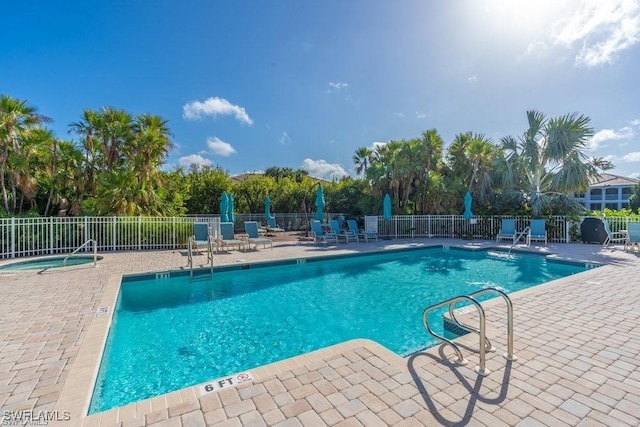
{"points": [[16, 118], [548, 161], [634, 198], [362, 159]]}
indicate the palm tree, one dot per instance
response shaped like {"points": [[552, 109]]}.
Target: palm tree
{"points": [[548, 160], [362, 160], [16, 116]]}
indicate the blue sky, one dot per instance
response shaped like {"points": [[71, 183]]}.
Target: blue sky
{"points": [[252, 84]]}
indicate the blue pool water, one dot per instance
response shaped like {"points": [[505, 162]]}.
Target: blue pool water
{"points": [[169, 334], [48, 263]]}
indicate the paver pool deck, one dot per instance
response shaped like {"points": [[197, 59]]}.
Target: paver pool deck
{"points": [[577, 340]]}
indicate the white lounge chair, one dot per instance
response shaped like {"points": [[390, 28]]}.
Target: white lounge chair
{"points": [[339, 233], [613, 236]]}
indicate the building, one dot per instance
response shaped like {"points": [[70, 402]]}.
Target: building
{"points": [[607, 191]]}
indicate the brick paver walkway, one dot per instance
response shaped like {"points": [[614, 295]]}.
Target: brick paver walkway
{"points": [[577, 342]]}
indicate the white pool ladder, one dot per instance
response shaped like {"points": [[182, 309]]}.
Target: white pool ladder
{"points": [[95, 252], [517, 239], [484, 343], [190, 246]]}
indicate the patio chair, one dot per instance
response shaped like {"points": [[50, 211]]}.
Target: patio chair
{"points": [[201, 235], [507, 230], [633, 236], [320, 235], [353, 227], [251, 227], [537, 231], [272, 227], [335, 227], [227, 238], [613, 236]]}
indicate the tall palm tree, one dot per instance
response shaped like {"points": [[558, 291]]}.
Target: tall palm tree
{"points": [[548, 160], [16, 116]]}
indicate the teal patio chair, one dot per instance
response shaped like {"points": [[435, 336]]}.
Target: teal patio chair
{"points": [[201, 235], [507, 230], [320, 235], [353, 227], [227, 238], [251, 227], [335, 227], [272, 227], [633, 236], [537, 231]]}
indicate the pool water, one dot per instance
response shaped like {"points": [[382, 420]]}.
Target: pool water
{"points": [[169, 334], [47, 263]]}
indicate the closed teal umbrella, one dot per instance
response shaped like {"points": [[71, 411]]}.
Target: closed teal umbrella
{"points": [[267, 208], [386, 207], [467, 206], [224, 207], [320, 204], [230, 210]]}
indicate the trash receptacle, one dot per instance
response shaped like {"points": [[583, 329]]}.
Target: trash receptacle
{"points": [[592, 230]]}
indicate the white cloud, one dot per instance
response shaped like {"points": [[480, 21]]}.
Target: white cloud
{"points": [[377, 144], [420, 115], [322, 169], [635, 122], [195, 110], [472, 79], [537, 47], [194, 159], [219, 147], [603, 28], [337, 87], [605, 135], [284, 139], [631, 157]]}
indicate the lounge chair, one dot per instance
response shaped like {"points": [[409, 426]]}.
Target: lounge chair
{"points": [[537, 231], [633, 236], [272, 227], [320, 235], [507, 230], [251, 227], [613, 236], [201, 235], [227, 238], [353, 227], [335, 227]]}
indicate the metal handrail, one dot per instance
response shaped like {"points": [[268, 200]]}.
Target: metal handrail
{"points": [[509, 354], [480, 369], [95, 252], [517, 239], [190, 256]]}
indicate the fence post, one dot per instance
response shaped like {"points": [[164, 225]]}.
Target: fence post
{"points": [[139, 232], [85, 237], [113, 233], [174, 232], [13, 237], [50, 235]]}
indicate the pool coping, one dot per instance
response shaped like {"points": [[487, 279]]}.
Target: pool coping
{"points": [[75, 396]]}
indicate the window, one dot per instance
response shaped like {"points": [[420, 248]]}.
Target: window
{"points": [[596, 206], [612, 206], [626, 192], [595, 194], [579, 195], [611, 194], [624, 205]]}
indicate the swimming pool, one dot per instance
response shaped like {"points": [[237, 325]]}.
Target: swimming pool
{"points": [[49, 262], [168, 334]]}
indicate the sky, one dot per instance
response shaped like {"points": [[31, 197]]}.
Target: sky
{"points": [[246, 85]]}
